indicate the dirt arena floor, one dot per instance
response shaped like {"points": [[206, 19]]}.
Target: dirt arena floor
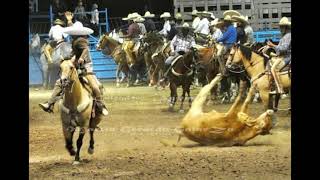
{"points": [[138, 140]]}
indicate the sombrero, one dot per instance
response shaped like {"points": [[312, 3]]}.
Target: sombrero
{"points": [[227, 18], [214, 22], [58, 22], [204, 13], [241, 19], [284, 22], [148, 15], [139, 19], [184, 26], [165, 15], [178, 16], [231, 13], [194, 13], [78, 29], [131, 16], [212, 16]]}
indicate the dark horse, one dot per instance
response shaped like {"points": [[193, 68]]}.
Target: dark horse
{"points": [[181, 75]]}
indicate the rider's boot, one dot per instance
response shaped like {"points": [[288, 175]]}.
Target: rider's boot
{"points": [[101, 106], [47, 52], [56, 95]]}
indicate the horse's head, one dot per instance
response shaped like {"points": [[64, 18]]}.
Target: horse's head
{"points": [[107, 44], [68, 73], [237, 54]]}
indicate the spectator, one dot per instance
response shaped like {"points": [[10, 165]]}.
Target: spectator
{"points": [[58, 9], [79, 12], [95, 18]]}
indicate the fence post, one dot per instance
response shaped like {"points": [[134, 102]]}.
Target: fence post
{"points": [[51, 15], [107, 24]]}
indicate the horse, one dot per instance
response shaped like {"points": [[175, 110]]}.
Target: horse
{"points": [[113, 48], [261, 78], [50, 71], [181, 75], [76, 109], [152, 42]]}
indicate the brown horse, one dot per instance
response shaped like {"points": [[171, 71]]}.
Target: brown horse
{"points": [[207, 66], [181, 74], [152, 41], [158, 58], [76, 109], [113, 48], [261, 78]]}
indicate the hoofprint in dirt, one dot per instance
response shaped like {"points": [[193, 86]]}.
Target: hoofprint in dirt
{"points": [[138, 140]]}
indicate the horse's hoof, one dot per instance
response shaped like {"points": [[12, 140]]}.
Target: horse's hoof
{"points": [[76, 163], [72, 152], [90, 150], [170, 108], [181, 111], [118, 85], [150, 85]]}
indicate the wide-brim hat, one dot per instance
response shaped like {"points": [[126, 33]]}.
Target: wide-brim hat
{"points": [[131, 16], [165, 15], [212, 16], [184, 26], [139, 19], [178, 16], [204, 13], [58, 22], [194, 13], [228, 18], [148, 15], [78, 29], [231, 13], [214, 22], [240, 19], [284, 22], [219, 24]]}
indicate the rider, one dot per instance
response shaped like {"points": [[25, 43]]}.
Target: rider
{"points": [[241, 23], [195, 19], [203, 28], [215, 30], [180, 44], [249, 32], [56, 35], [283, 50], [82, 59], [130, 46], [149, 23], [166, 26]]}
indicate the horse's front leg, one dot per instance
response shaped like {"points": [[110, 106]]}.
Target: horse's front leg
{"points": [[184, 90], [173, 95], [68, 136], [118, 76], [79, 144], [190, 99], [91, 146]]}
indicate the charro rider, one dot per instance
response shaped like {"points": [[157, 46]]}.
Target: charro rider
{"points": [[132, 37], [82, 60], [283, 50], [166, 26], [180, 44], [56, 36], [202, 29]]}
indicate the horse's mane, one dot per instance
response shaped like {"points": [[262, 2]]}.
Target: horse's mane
{"points": [[246, 51]]}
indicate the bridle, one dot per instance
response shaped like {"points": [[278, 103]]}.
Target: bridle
{"points": [[67, 82]]}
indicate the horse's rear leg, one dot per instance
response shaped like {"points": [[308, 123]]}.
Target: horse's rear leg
{"points": [[79, 144], [68, 135], [91, 146]]}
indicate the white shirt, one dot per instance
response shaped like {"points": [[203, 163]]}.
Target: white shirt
{"points": [[166, 28], [195, 22], [95, 16], [203, 27], [217, 34], [57, 33], [249, 33]]}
